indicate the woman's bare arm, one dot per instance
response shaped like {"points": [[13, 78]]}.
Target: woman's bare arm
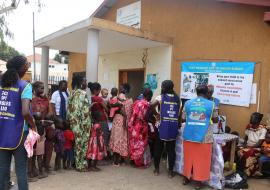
{"points": [[26, 113]]}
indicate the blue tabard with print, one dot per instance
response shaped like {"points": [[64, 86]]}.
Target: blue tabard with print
{"points": [[11, 118], [216, 101], [169, 113], [198, 117]]}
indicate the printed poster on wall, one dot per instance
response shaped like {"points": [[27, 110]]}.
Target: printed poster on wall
{"points": [[232, 80], [152, 80]]}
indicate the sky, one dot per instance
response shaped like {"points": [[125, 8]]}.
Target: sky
{"points": [[53, 16]]}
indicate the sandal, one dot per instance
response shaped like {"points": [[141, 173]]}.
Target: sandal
{"points": [[42, 175], [156, 172], [95, 169], [32, 179], [116, 165], [82, 170], [258, 174], [198, 186], [186, 181], [170, 174]]}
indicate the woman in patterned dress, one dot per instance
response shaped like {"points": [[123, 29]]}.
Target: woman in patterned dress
{"points": [[119, 133], [138, 130], [80, 121], [249, 154]]}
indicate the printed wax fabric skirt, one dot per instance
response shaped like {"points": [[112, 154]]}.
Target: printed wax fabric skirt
{"points": [[96, 145], [119, 136], [248, 160]]}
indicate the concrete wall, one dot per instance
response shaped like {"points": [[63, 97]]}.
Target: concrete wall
{"points": [[159, 60], [211, 30]]}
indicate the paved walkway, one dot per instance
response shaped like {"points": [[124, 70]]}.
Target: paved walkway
{"points": [[122, 178]]}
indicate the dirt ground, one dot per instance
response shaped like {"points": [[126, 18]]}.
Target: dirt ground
{"points": [[122, 178]]}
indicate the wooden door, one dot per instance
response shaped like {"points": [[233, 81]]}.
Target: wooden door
{"points": [[123, 77]]}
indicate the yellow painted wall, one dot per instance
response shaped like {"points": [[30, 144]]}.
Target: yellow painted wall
{"points": [[77, 63], [27, 76], [209, 29]]}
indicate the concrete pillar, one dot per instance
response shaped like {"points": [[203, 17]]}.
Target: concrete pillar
{"points": [[92, 55], [45, 67]]}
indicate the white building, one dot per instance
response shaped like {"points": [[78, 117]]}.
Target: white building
{"points": [[57, 71]]}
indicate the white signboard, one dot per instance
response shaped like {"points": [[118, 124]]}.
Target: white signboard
{"points": [[232, 80], [130, 15]]}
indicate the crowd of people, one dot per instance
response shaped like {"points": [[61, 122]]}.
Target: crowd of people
{"points": [[82, 131]]}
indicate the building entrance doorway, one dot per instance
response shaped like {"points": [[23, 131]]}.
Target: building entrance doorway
{"points": [[135, 78]]}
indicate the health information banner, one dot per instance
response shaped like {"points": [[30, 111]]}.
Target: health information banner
{"points": [[232, 80]]}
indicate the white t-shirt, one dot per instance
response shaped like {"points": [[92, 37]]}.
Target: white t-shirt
{"points": [[159, 98], [56, 100], [255, 136]]}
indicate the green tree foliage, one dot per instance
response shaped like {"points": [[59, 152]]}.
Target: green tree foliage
{"points": [[4, 30], [7, 52], [6, 6]]}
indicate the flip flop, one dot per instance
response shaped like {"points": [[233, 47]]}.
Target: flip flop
{"points": [[116, 165], [95, 169], [186, 181], [156, 172]]}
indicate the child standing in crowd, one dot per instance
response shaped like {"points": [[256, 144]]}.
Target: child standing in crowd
{"points": [[40, 146], [59, 143], [68, 147], [96, 146], [49, 143], [40, 108], [265, 151]]}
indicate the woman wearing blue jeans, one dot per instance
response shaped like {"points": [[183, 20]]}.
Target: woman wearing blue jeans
{"points": [[15, 98]]}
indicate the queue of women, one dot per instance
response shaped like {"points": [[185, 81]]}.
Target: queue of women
{"points": [[116, 128]]}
